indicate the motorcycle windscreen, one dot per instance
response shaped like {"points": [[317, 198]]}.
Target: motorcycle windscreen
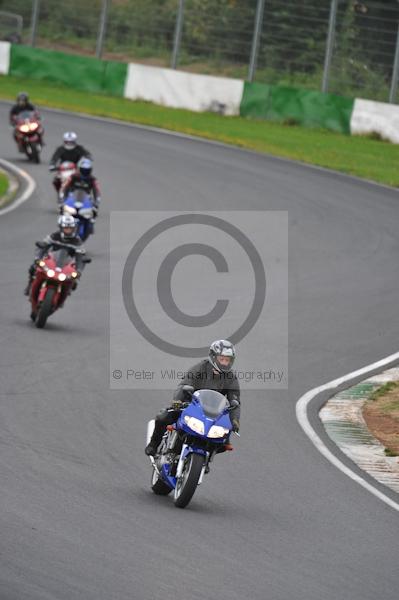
{"points": [[26, 114], [62, 257], [212, 402], [81, 196]]}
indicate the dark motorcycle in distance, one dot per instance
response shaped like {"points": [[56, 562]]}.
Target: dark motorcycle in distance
{"points": [[28, 133], [55, 277]]}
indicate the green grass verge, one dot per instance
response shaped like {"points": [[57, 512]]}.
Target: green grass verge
{"points": [[359, 156], [383, 390], [3, 184]]}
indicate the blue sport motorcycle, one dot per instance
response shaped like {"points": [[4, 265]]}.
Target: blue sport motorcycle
{"points": [[189, 446], [79, 204]]}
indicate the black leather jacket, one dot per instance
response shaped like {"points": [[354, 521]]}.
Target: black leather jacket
{"points": [[69, 154], [17, 109], [55, 238], [203, 376]]}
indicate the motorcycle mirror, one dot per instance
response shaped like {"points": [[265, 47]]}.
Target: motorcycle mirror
{"points": [[86, 260], [40, 244], [188, 389], [233, 405]]}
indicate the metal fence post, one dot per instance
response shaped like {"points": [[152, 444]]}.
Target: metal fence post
{"points": [[102, 29], [178, 32], [394, 82], [330, 45], [35, 17], [256, 39]]}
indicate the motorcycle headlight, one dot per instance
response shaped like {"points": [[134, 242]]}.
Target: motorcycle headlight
{"points": [[74, 274], [194, 424], [217, 432], [87, 213], [69, 209], [61, 277], [50, 273], [33, 126], [42, 263], [24, 128]]}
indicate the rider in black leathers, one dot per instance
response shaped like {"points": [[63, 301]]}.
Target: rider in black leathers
{"points": [[84, 180], [70, 151], [67, 234], [22, 104], [213, 373]]}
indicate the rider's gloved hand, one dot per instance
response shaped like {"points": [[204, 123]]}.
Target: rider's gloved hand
{"points": [[52, 168], [236, 425], [177, 405]]}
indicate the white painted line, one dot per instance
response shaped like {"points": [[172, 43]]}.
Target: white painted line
{"points": [[301, 414], [31, 186]]}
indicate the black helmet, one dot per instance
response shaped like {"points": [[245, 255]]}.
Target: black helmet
{"points": [[221, 348], [85, 167], [22, 98], [68, 226]]}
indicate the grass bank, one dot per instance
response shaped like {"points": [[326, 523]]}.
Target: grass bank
{"points": [[359, 156], [381, 413], [3, 184]]}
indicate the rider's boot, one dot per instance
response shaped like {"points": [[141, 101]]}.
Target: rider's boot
{"points": [[152, 446]]}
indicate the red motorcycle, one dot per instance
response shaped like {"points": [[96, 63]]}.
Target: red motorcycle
{"points": [[28, 133], [54, 279]]}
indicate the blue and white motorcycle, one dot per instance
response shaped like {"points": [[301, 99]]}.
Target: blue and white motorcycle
{"points": [[80, 205], [189, 446]]}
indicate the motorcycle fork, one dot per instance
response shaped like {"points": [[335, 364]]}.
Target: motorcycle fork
{"points": [[41, 294], [182, 458]]}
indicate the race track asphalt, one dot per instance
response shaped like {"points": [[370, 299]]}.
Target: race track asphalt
{"points": [[275, 520]]}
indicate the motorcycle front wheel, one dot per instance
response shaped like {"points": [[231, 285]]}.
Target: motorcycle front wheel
{"points": [[35, 153], [46, 309], [187, 483]]}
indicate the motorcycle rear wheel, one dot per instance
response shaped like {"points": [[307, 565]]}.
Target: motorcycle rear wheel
{"points": [[187, 483], [45, 310]]}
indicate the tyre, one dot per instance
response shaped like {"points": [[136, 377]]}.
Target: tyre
{"points": [[85, 229], [158, 486], [35, 154], [45, 309], [187, 483]]}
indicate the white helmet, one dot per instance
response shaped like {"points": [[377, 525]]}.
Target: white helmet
{"points": [[70, 139], [67, 222]]}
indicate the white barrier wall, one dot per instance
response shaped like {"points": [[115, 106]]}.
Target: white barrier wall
{"points": [[178, 89], [4, 57], [379, 117]]}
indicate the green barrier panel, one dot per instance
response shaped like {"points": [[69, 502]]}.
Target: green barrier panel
{"points": [[78, 72], [305, 107], [114, 78]]}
